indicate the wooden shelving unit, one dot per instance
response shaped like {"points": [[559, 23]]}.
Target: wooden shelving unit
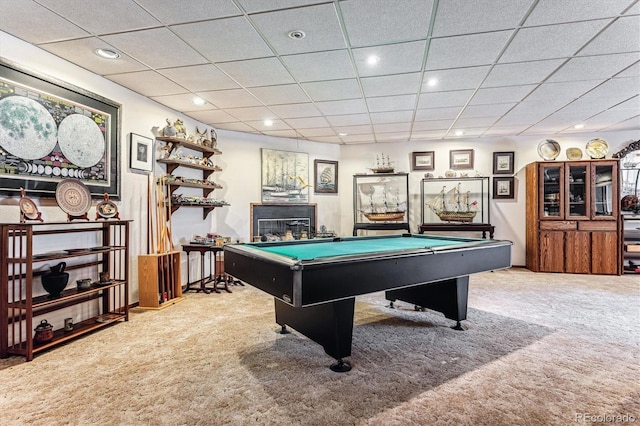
{"points": [[20, 258]]}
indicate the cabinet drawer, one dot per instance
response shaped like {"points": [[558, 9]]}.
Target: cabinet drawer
{"points": [[596, 225], [559, 225]]}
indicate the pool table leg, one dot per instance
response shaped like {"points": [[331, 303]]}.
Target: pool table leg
{"points": [[448, 296], [328, 324]]}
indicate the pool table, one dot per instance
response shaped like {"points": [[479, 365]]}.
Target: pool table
{"points": [[314, 282]]}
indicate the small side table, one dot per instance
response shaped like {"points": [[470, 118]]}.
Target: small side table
{"points": [[217, 277]]}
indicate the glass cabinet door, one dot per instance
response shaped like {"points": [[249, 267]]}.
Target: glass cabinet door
{"points": [[604, 188], [578, 197], [551, 202]]}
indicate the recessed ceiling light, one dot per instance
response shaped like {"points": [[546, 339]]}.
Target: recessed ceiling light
{"points": [[342, 134], [459, 132], [578, 126], [107, 53], [373, 59], [432, 82], [297, 34], [268, 123], [199, 101]]}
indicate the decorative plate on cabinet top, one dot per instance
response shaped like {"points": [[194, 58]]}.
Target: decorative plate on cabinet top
{"points": [[574, 153], [597, 148], [548, 149], [73, 197]]}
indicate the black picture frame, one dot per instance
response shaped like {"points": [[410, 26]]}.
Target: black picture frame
{"points": [[325, 177], [504, 188], [503, 163], [423, 160], [140, 153], [461, 159], [52, 94]]}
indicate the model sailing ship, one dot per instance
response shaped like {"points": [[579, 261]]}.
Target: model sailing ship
{"points": [[453, 205], [386, 208], [383, 165]]}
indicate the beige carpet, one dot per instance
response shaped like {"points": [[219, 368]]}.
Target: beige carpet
{"points": [[539, 349]]}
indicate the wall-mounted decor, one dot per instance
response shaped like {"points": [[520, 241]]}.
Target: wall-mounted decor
{"points": [[285, 176], [503, 163], [141, 153], [422, 160], [51, 131], [461, 159], [504, 187], [325, 176]]}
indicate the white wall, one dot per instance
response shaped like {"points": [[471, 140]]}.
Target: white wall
{"points": [[240, 161]]}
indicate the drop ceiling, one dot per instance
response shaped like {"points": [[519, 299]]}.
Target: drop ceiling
{"points": [[502, 67]]}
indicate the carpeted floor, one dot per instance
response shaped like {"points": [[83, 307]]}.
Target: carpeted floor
{"points": [[539, 349]]}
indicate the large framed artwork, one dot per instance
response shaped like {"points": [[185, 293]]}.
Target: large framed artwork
{"points": [[51, 131], [285, 176]]}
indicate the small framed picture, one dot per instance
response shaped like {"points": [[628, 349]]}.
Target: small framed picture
{"points": [[325, 177], [461, 159], [504, 187], [503, 163], [422, 160], [141, 153]]}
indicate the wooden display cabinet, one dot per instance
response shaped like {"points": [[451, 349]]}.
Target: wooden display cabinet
{"points": [[159, 280], [23, 302], [573, 222]]}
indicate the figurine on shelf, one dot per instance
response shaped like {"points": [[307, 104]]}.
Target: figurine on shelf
{"points": [[202, 138], [181, 131], [169, 131]]}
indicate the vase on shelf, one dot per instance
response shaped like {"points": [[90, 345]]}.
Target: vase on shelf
{"points": [[55, 280]]}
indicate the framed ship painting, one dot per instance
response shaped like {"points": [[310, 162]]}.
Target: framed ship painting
{"points": [[325, 177], [285, 177], [51, 131]]}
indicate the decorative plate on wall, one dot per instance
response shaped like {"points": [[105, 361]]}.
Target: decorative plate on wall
{"points": [[597, 148], [574, 153], [548, 149], [73, 197]]}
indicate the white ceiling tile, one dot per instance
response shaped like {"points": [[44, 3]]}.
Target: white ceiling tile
{"points": [[354, 130], [402, 84], [525, 113], [349, 120], [467, 132], [594, 67], [181, 102], [281, 94], [307, 122], [466, 51], [560, 94], [231, 98], [193, 10], [319, 23], [257, 72], [454, 79], [633, 70], [318, 66], [444, 99], [358, 138], [140, 45], [284, 133], [456, 17], [621, 36], [634, 10], [351, 106], [253, 6], [296, 110], [81, 52], [611, 116], [25, 19], [432, 125], [394, 58], [521, 73], [199, 77], [228, 39], [496, 109], [256, 113], [391, 117], [147, 83], [549, 42], [555, 12], [428, 135], [496, 131], [371, 22], [392, 127], [393, 137], [475, 122], [315, 132], [437, 113], [121, 15], [501, 94], [391, 103], [333, 90], [630, 124], [213, 116], [237, 127], [609, 94], [328, 139], [276, 125]]}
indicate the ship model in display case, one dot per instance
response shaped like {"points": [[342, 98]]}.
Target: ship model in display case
{"points": [[381, 201], [453, 205]]}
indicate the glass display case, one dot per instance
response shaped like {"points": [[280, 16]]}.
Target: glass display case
{"points": [[381, 202], [455, 204]]}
